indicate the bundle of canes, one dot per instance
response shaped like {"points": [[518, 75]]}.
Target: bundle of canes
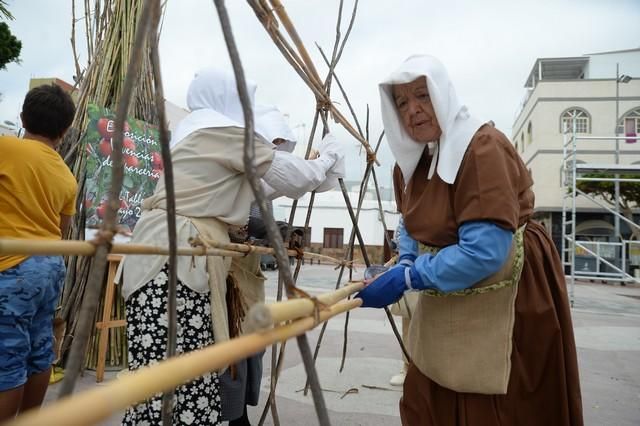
{"points": [[301, 61]]}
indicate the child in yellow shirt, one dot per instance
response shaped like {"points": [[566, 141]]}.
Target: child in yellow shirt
{"points": [[37, 201]]}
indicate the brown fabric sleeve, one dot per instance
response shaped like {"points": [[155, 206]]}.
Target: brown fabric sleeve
{"points": [[398, 187], [488, 182]]}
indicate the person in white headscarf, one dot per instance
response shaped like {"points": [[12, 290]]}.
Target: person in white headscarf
{"points": [[492, 318], [289, 176], [211, 193]]}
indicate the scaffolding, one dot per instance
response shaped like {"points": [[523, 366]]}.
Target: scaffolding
{"points": [[610, 257]]}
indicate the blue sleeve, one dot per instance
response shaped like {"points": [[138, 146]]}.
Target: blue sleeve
{"points": [[407, 246], [482, 249]]}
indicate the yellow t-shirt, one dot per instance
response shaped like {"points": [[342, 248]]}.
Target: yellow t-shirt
{"points": [[36, 187]]}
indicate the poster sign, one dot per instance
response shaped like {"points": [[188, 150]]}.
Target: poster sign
{"points": [[142, 166]]}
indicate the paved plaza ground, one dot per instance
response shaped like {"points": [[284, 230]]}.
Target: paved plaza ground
{"points": [[607, 329]]}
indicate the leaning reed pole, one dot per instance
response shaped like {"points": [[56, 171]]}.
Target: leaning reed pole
{"points": [[272, 15], [272, 230]]}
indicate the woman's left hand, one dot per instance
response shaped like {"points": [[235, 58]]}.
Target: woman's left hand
{"points": [[385, 289]]}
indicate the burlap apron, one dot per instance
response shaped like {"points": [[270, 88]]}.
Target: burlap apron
{"points": [[463, 340], [406, 305], [243, 388]]}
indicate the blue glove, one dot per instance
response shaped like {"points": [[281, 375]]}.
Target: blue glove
{"points": [[388, 288]]}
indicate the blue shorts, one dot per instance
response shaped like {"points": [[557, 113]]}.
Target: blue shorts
{"points": [[28, 297]]}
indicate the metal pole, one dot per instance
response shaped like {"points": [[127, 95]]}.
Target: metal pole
{"points": [[572, 254], [616, 218]]}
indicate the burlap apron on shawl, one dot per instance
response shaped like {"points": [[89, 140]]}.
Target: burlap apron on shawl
{"points": [[217, 268], [243, 388], [463, 340], [406, 306]]}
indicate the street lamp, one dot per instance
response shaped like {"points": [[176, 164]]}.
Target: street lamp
{"points": [[624, 78]]}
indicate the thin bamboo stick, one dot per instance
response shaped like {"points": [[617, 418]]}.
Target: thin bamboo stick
{"points": [[306, 73], [291, 29], [93, 406], [248, 248], [167, 397], [276, 364], [269, 222], [85, 248], [262, 316]]}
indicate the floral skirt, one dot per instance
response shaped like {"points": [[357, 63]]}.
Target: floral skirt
{"points": [[194, 403]]}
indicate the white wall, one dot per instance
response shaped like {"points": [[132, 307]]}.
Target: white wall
{"points": [[329, 211]]}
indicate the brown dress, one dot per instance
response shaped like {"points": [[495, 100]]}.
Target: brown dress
{"points": [[494, 185]]}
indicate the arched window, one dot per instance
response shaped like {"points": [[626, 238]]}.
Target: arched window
{"points": [[522, 142], [631, 123], [529, 134], [578, 116]]}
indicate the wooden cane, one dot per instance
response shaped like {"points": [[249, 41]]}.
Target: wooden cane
{"points": [[85, 248], [262, 316], [98, 404], [248, 248]]}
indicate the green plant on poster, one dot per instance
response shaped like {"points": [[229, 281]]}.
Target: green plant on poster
{"points": [[142, 166]]}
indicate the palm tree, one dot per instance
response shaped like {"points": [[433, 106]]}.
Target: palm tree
{"points": [[4, 11]]}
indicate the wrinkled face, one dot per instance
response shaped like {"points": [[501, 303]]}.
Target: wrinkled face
{"points": [[416, 110]]}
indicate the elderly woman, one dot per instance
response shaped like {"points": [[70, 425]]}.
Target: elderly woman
{"points": [[491, 339], [211, 193]]}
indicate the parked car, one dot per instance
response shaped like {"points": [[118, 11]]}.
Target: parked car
{"points": [[268, 262]]}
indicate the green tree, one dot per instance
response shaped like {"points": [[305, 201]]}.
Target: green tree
{"points": [[10, 46], [629, 194]]}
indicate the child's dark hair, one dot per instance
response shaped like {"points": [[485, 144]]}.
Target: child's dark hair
{"points": [[47, 111]]}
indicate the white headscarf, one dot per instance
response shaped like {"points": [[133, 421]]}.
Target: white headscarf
{"points": [[271, 125], [458, 126], [213, 100]]}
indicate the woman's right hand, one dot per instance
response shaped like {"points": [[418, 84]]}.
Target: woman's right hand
{"points": [[329, 147], [384, 289]]}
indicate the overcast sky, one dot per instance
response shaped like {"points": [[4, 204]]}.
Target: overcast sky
{"points": [[488, 47]]}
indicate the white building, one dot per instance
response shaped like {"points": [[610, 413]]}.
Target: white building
{"points": [[331, 225], [560, 91]]}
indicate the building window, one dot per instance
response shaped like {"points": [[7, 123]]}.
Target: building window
{"points": [[529, 134], [333, 238], [631, 124], [577, 116], [521, 142]]}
